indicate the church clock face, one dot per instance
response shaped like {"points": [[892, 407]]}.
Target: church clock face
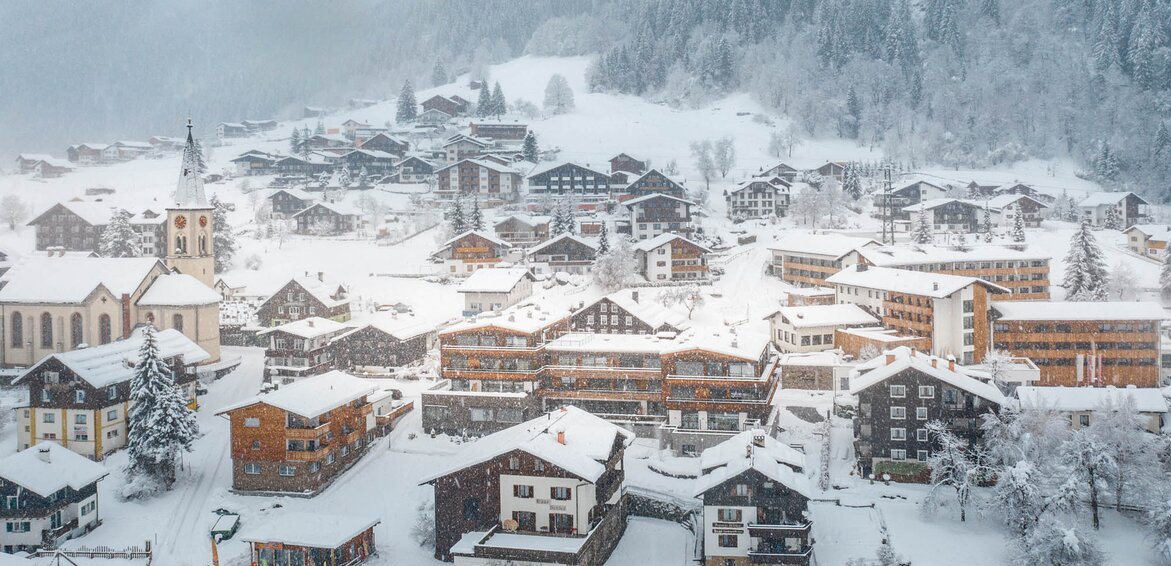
{"points": [[180, 222], [203, 222]]}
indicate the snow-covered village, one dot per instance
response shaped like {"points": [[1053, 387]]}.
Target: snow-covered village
{"points": [[625, 282]]}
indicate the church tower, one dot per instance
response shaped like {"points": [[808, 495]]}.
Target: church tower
{"points": [[189, 221]]}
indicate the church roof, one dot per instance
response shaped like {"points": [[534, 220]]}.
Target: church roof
{"points": [[69, 280], [178, 289], [189, 190]]}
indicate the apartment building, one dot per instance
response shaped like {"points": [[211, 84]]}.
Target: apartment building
{"points": [[1025, 274], [655, 214], [299, 349], [807, 260], [812, 328], [670, 257], [469, 251]]}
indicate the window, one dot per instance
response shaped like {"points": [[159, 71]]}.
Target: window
{"points": [[472, 509], [1083, 420], [922, 456], [17, 330], [46, 330], [112, 415], [560, 493], [730, 515], [921, 413], [288, 470], [898, 434], [75, 330], [729, 541], [252, 469], [18, 526], [112, 392], [79, 419], [526, 520], [79, 396], [898, 454], [926, 391], [105, 329], [177, 322], [252, 422], [522, 491], [513, 463], [480, 415], [256, 445], [49, 418], [898, 413], [560, 522], [898, 391], [742, 490], [329, 458]]}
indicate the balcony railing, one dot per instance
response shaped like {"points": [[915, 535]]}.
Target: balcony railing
{"points": [[765, 554], [787, 529]]}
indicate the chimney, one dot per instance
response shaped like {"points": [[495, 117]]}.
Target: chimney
{"points": [[951, 365], [310, 322], [747, 450], [758, 437], [634, 296], [934, 362], [561, 437], [321, 276], [43, 454], [890, 359], [935, 286]]}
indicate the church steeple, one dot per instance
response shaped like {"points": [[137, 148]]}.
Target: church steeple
{"points": [[189, 191]]}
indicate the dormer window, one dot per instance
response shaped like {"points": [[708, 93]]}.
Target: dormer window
{"points": [[79, 396]]}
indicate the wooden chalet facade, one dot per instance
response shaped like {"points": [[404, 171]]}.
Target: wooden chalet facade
{"points": [[387, 144], [494, 184], [301, 437], [312, 539], [578, 182], [287, 202], [380, 345], [522, 230], [1130, 208], [832, 170], [299, 349], [628, 164], [653, 183], [907, 195], [782, 170], [27, 162], [564, 253], [808, 260], [85, 153], [460, 147], [71, 226], [947, 215], [757, 198], [470, 251], [498, 131], [374, 161], [670, 257], [256, 163], [624, 313], [655, 214], [449, 106], [311, 164], [302, 298], [415, 169], [327, 218], [50, 494], [1005, 208]]}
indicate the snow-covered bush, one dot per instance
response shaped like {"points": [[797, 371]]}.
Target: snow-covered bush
{"points": [[423, 531]]}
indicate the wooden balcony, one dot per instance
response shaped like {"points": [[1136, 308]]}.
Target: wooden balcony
{"points": [[307, 455], [307, 433], [792, 530], [765, 554]]}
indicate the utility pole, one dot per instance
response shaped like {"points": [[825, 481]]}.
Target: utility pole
{"points": [[888, 219]]}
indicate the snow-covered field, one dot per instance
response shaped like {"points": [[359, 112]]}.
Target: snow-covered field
{"points": [[384, 483]]}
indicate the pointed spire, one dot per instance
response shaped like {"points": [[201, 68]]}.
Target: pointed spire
{"points": [[189, 191]]}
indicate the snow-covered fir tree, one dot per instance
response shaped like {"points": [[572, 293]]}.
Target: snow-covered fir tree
{"points": [[439, 74], [987, 224], [604, 240], [224, 239], [1018, 227], [498, 104], [407, 109], [344, 180], [1089, 460], [119, 238], [320, 129], [363, 177], [476, 219], [1086, 278], [484, 103], [1165, 277], [529, 148], [558, 95], [1159, 524], [1113, 220], [305, 148], [852, 181], [160, 424], [295, 142], [923, 234], [455, 216]]}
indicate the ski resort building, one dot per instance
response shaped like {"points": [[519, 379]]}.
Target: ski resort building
{"points": [[652, 183], [671, 257], [758, 198], [490, 182], [300, 348], [1025, 274], [808, 260], [495, 289], [50, 495], [565, 253], [1130, 208], [381, 344], [523, 230], [655, 214], [472, 250], [555, 181]]}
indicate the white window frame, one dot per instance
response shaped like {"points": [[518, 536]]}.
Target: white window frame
{"points": [[926, 391], [898, 413], [920, 435], [901, 389], [896, 437], [898, 454], [921, 413]]}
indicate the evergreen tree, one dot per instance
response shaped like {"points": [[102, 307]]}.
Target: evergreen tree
{"points": [[498, 104], [1086, 278], [295, 142], [1162, 140], [923, 234], [529, 148], [407, 110], [987, 224], [1165, 277], [558, 95], [604, 240], [200, 156], [853, 114], [484, 103], [305, 148], [476, 221], [852, 181], [119, 238], [363, 177], [160, 423], [224, 237], [344, 180], [1113, 220], [439, 74], [320, 129], [1018, 227], [455, 216]]}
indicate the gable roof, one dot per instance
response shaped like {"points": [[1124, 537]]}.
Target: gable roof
{"points": [[342, 209], [647, 310], [831, 245], [70, 279], [551, 165], [1099, 199], [652, 243], [94, 213], [938, 202], [812, 316], [299, 194], [588, 442], [1060, 310], [1088, 399], [1149, 229], [783, 187], [311, 327], [48, 467], [526, 219], [922, 283], [999, 202], [880, 369], [756, 458], [919, 254], [465, 138], [652, 196], [734, 448], [494, 280], [312, 530], [655, 172], [479, 233], [562, 236], [488, 164], [401, 328], [312, 396], [111, 363], [178, 289]]}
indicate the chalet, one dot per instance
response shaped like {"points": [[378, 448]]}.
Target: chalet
{"points": [[256, 163], [27, 162], [1076, 344], [470, 251], [303, 297], [80, 399], [372, 160], [492, 183], [1005, 208], [865, 343], [460, 147], [85, 153], [228, 288], [546, 491], [301, 437], [231, 130], [446, 105], [495, 289], [165, 143], [50, 495], [386, 143], [1148, 240], [947, 215], [1130, 208], [977, 190], [900, 392], [287, 202], [311, 538], [812, 328], [624, 162], [125, 150], [260, 125], [757, 198], [433, 117], [654, 182], [670, 257], [151, 227], [907, 195], [782, 170], [624, 313], [328, 218], [951, 311], [313, 112], [827, 370], [552, 181], [497, 131], [349, 127], [300, 348], [1082, 404], [414, 169], [654, 214], [313, 163], [1022, 189], [523, 230], [72, 226], [51, 168], [382, 343], [565, 253], [329, 141], [807, 260], [1024, 273], [362, 134], [755, 502], [834, 170]]}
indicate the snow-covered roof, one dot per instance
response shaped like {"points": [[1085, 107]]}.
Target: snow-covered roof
{"points": [[311, 396], [48, 467], [311, 327], [313, 530], [879, 334], [375, 153], [320, 290], [998, 202], [882, 367], [938, 202], [1087, 399], [1099, 199], [93, 146], [480, 233], [825, 358], [465, 138], [810, 316], [340, 208], [112, 363], [33, 156], [527, 219], [748, 341], [563, 236], [647, 309], [58, 163], [402, 328], [653, 196], [903, 255], [663, 239], [95, 213], [936, 285], [40, 279], [735, 448], [550, 165], [766, 464], [494, 280], [766, 181], [830, 245], [1150, 229], [810, 291], [587, 443], [1060, 310], [591, 342], [178, 289], [526, 319], [297, 193]]}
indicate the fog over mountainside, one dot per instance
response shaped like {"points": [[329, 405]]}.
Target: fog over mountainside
{"points": [[963, 83]]}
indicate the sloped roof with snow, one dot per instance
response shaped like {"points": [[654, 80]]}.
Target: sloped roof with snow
{"points": [[297, 193], [998, 202], [313, 530], [178, 289], [1150, 229], [311, 396], [748, 183], [320, 290], [735, 448], [33, 156], [1061, 310], [879, 369], [647, 309], [494, 280], [480, 233], [1087, 399], [63, 468], [95, 213], [588, 443], [938, 202], [551, 165], [830, 245], [1099, 199], [526, 219], [39, 279], [810, 316], [526, 319], [903, 255], [311, 327], [665, 238], [647, 198], [340, 208], [112, 363], [766, 464], [558, 238], [402, 328], [935, 285]]}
